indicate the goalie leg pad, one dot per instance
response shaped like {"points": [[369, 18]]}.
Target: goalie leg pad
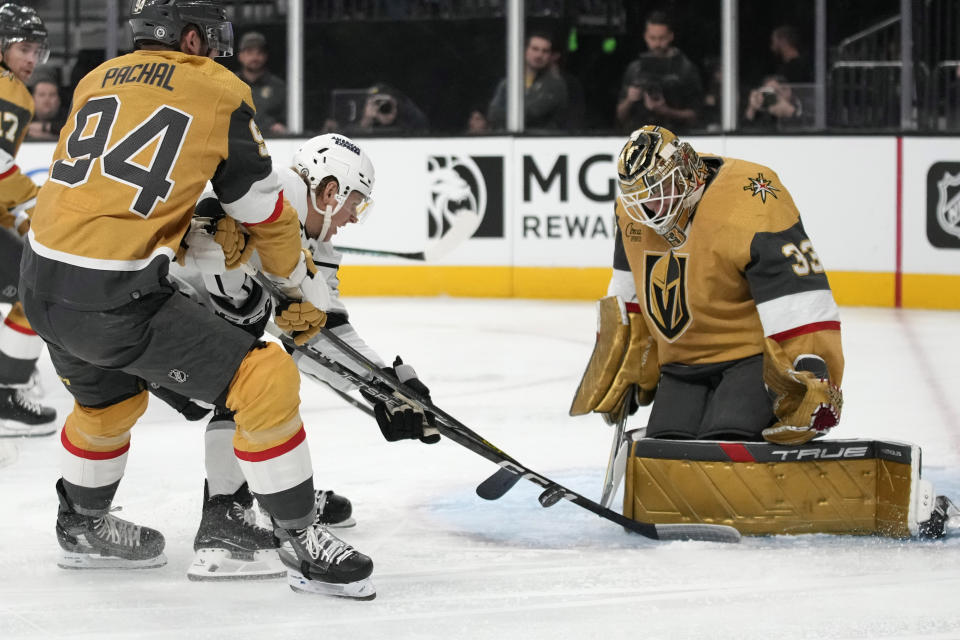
{"points": [[859, 487]]}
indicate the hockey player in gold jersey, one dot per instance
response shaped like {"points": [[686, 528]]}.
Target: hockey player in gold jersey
{"points": [[712, 259], [23, 45], [146, 132]]}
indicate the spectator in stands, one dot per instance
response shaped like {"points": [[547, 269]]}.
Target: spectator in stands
{"points": [[793, 65], [773, 105], [386, 111], [545, 97], [269, 91], [49, 114], [662, 86], [477, 122]]}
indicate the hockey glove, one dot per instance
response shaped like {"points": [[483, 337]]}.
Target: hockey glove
{"points": [[806, 403], [405, 421], [189, 409], [214, 246], [302, 316]]}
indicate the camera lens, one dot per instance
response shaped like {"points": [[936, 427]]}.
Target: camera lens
{"points": [[386, 107]]}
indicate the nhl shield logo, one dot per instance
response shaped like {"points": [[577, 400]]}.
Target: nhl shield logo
{"points": [[948, 204], [943, 205], [177, 376], [666, 293]]}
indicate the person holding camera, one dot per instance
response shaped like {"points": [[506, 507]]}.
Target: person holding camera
{"points": [[387, 110], [773, 105], [662, 85]]}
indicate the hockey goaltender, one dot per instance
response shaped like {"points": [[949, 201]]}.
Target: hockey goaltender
{"points": [[719, 313]]}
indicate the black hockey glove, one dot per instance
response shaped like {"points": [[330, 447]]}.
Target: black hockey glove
{"points": [[406, 422], [188, 408]]}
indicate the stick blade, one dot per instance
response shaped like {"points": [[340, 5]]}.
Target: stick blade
{"points": [[494, 487], [701, 532]]}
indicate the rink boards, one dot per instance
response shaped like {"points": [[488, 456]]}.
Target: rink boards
{"points": [[532, 217]]}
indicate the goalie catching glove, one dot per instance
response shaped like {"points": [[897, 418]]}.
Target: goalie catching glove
{"points": [[806, 403], [304, 312], [405, 421], [214, 246], [624, 365]]}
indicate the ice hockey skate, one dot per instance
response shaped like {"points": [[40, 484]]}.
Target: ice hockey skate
{"points": [[335, 511], [944, 520], [23, 416], [229, 545], [319, 562], [104, 542]]}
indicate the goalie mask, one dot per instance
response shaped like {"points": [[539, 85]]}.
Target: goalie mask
{"points": [[337, 156], [22, 24], [163, 21], [661, 180]]}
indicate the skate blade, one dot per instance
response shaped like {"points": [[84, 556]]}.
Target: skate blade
{"points": [[19, 430], [343, 524], [359, 590], [79, 560], [218, 564]]}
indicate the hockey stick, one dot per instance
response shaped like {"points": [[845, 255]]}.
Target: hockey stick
{"points": [[611, 479], [416, 255], [464, 225], [494, 487], [363, 406], [386, 388]]}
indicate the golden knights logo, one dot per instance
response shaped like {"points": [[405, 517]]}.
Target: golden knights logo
{"points": [[665, 279]]}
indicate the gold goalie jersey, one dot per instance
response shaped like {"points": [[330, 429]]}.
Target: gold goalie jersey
{"points": [[146, 132], [747, 270], [17, 191]]}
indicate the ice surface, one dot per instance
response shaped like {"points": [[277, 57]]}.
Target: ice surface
{"points": [[450, 565]]}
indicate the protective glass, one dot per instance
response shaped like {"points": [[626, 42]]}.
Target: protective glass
{"points": [[220, 37]]}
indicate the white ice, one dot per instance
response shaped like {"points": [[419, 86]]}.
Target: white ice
{"points": [[450, 565]]}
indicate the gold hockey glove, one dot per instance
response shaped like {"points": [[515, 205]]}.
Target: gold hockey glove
{"points": [[237, 245], [624, 354], [806, 405], [214, 247], [304, 315]]}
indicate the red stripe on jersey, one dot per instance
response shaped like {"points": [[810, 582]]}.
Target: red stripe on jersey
{"points": [[273, 452], [829, 325], [6, 173], [633, 307], [91, 455], [19, 328], [277, 209], [737, 452]]}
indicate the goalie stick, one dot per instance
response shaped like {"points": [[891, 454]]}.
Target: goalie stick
{"points": [[386, 388]]}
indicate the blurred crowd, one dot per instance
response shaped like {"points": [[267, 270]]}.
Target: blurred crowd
{"points": [[662, 85]]}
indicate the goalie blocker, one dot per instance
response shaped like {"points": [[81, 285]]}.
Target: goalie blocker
{"points": [[859, 487]]}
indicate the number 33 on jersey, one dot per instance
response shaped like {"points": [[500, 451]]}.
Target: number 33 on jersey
{"points": [[147, 131]]}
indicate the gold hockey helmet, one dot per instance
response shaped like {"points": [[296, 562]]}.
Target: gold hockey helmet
{"points": [[660, 179]]}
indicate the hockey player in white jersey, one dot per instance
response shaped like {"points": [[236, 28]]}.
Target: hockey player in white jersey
{"points": [[329, 185]]}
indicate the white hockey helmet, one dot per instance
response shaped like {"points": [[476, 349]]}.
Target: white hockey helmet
{"points": [[336, 155]]}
